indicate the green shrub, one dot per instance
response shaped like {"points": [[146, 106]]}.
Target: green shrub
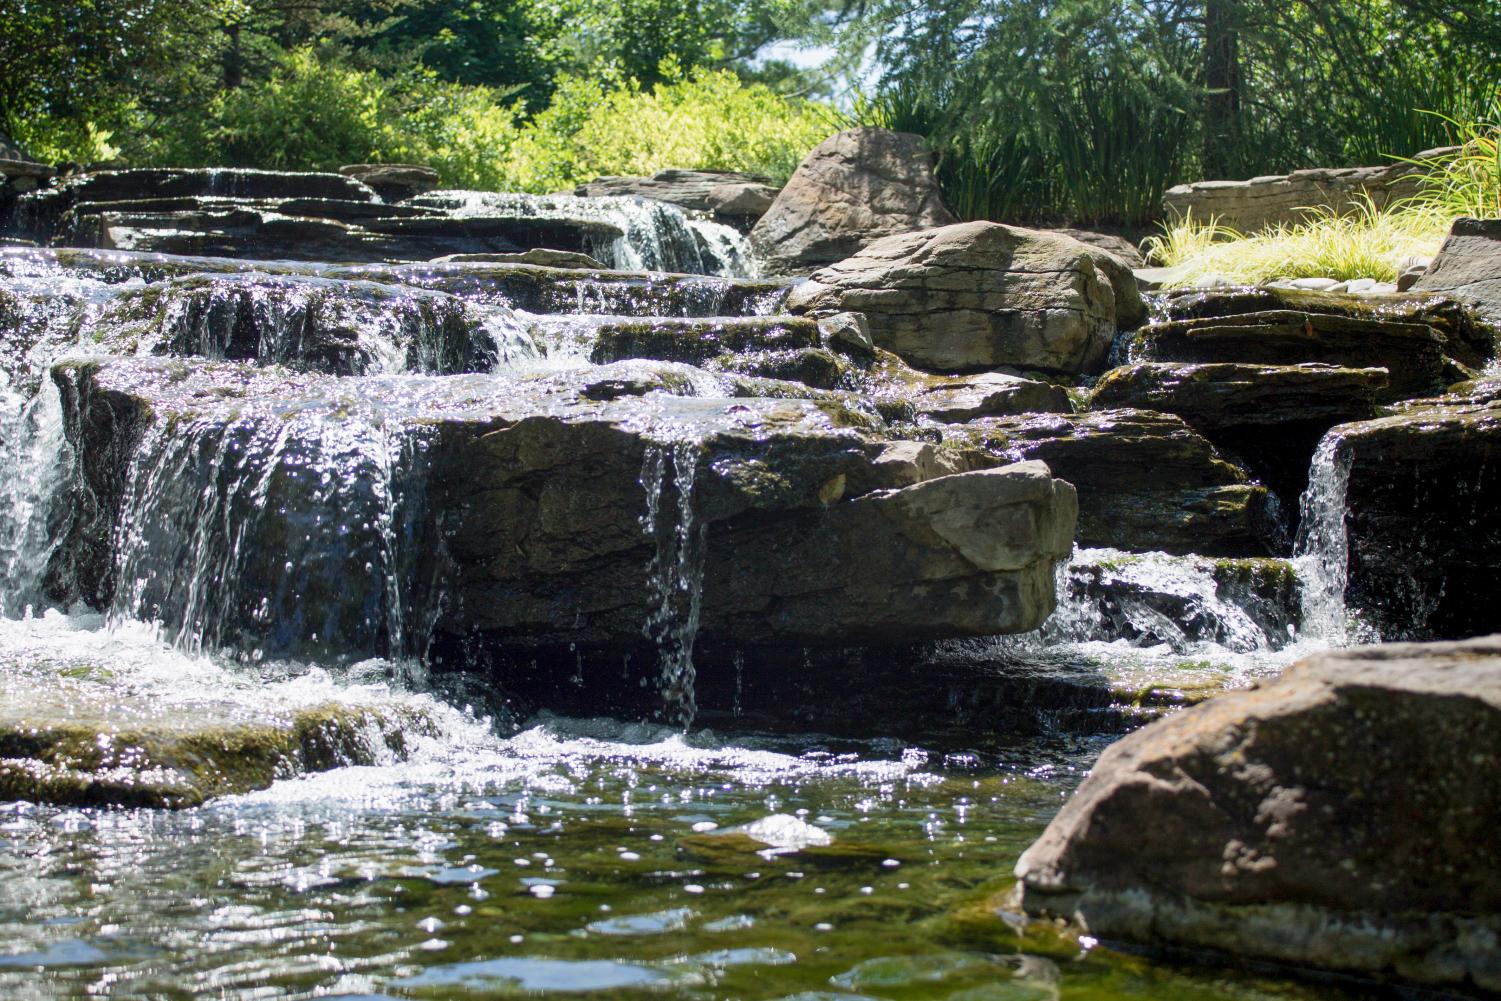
{"points": [[1467, 180], [314, 112], [707, 120]]}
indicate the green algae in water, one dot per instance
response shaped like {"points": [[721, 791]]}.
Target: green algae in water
{"points": [[555, 863]]}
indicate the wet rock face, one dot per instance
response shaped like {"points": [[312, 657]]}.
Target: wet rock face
{"points": [[854, 187], [1146, 480], [1270, 417], [393, 181], [982, 295], [1468, 266], [1418, 512], [566, 516], [1321, 820]]}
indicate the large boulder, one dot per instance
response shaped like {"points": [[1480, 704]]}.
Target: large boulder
{"points": [[1406, 516], [982, 295], [1146, 480], [1341, 817], [855, 187], [533, 517], [1468, 266]]}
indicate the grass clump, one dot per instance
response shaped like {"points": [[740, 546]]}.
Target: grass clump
{"points": [[1465, 181], [1366, 243]]}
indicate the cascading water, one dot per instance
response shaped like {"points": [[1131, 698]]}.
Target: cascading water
{"points": [[675, 576], [1322, 546], [654, 236], [304, 537]]}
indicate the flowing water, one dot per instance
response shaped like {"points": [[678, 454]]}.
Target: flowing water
{"points": [[533, 856]]}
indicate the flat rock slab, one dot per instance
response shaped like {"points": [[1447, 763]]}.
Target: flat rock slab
{"points": [[740, 197], [1222, 396], [1270, 417], [1468, 266], [980, 296], [1341, 817], [1146, 480], [988, 394], [1384, 321]]}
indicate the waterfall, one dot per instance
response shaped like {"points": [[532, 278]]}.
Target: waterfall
{"points": [[37, 463], [305, 536], [675, 576], [1322, 545], [655, 236]]}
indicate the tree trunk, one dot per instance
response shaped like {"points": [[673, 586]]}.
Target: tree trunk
{"points": [[1222, 152], [234, 62]]}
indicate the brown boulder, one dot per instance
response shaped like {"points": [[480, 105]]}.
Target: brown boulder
{"points": [[1343, 817]]}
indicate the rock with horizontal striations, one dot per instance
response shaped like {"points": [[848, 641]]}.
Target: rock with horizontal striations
{"points": [[539, 256], [1417, 337], [1146, 480], [1271, 417], [1341, 817], [1468, 266], [854, 187], [1415, 496], [559, 508], [982, 295]]}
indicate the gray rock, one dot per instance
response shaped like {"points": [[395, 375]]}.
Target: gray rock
{"points": [[853, 188], [987, 394], [1423, 341], [394, 181], [1111, 243], [1420, 488], [1468, 266], [740, 197], [1261, 202], [1271, 417], [1323, 820], [1146, 480], [850, 331], [981, 295]]}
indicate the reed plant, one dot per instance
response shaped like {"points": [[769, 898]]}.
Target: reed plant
{"points": [[1466, 180]]}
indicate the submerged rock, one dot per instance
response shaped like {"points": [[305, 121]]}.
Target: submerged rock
{"points": [[854, 187], [1323, 820], [1146, 480], [73, 732], [982, 295]]}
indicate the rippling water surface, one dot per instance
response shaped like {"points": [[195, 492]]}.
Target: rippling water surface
{"points": [[569, 856]]}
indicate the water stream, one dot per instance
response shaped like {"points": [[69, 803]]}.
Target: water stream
{"points": [[262, 566]]}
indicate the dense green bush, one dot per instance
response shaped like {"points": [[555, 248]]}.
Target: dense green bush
{"points": [[708, 120]]}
